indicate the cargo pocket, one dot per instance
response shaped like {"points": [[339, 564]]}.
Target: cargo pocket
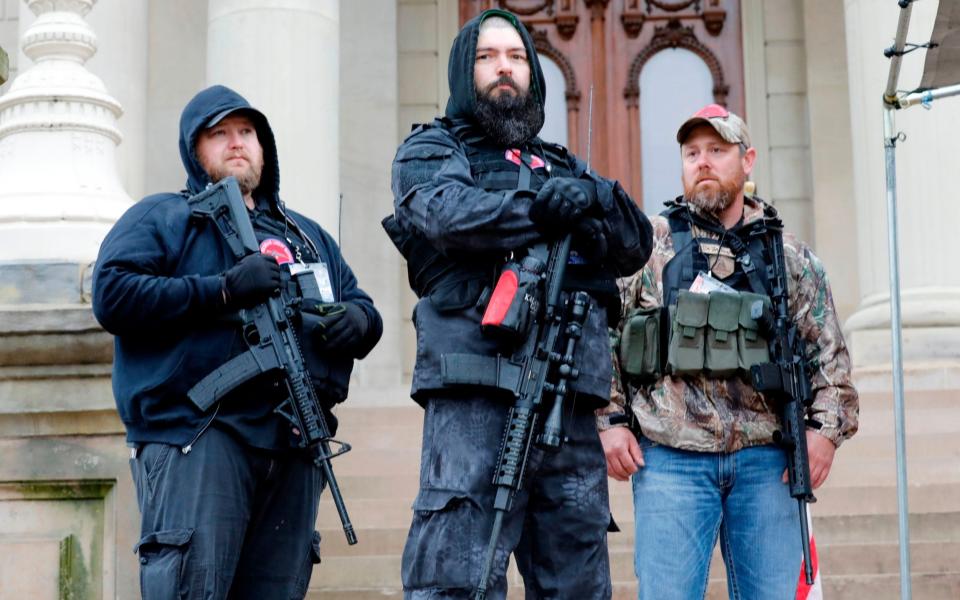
{"points": [[445, 541], [306, 571], [752, 345], [721, 358], [685, 356], [161, 563], [640, 346]]}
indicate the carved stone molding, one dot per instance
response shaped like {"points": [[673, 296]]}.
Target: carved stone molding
{"points": [[632, 18], [713, 19], [567, 19], [541, 41], [675, 6], [597, 8], [638, 12], [525, 9], [675, 35]]}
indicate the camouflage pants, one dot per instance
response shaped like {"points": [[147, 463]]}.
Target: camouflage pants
{"points": [[556, 529]]}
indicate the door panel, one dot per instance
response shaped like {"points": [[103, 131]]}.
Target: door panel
{"points": [[607, 44]]}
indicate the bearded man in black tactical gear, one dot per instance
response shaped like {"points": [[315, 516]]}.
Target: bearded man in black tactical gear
{"points": [[471, 190]]}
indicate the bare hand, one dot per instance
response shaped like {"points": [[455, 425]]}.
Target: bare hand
{"points": [[624, 457], [820, 451]]}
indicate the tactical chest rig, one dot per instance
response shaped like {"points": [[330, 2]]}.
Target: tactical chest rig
{"points": [[718, 334]]}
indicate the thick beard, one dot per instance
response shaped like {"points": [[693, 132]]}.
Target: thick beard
{"points": [[248, 180], [509, 120], [714, 202]]}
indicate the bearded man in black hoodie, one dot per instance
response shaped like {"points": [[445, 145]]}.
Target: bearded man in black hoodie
{"points": [[228, 500], [470, 190]]}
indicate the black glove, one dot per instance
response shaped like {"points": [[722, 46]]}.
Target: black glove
{"points": [[590, 239], [341, 326], [251, 281], [561, 203]]}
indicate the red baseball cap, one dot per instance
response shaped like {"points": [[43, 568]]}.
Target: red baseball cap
{"points": [[730, 127]]}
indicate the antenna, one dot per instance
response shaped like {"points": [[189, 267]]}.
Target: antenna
{"points": [[589, 126]]}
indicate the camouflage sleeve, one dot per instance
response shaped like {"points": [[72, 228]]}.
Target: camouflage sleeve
{"points": [[835, 400], [633, 295]]}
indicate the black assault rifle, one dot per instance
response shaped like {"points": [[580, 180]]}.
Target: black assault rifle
{"points": [[785, 381], [538, 370], [273, 345]]}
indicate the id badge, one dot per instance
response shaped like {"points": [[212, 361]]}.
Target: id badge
{"points": [[706, 283], [320, 275]]}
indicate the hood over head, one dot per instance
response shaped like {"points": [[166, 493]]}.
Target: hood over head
{"points": [[463, 55], [206, 109]]}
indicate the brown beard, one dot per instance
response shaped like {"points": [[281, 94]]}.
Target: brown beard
{"points": [[714, 202], [248, 180]]}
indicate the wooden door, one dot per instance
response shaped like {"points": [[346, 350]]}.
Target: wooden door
{"points": [[607, 44]]}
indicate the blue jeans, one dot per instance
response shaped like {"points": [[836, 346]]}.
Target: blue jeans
{"points": [[683, 501]]}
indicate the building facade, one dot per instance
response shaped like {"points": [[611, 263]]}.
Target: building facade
{"points": [[89, 124]]}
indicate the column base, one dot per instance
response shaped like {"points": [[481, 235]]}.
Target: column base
{"points": [[930, 355]]}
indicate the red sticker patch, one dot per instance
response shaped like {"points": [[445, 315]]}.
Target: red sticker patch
{"points": [[277, 249], [513, 155]]}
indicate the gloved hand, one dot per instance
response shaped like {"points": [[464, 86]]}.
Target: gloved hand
{"points": [[561, 203], [251, 281], [590, 239], [341, 326]]}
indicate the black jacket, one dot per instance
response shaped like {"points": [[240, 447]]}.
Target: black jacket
{"points": [[440, 195], [157, 289]]}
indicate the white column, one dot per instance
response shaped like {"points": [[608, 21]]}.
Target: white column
{"points": [[59, 189], [283, 56], [928, 211]]}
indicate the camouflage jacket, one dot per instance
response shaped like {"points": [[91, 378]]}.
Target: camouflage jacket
{"points": [[706, 414]]}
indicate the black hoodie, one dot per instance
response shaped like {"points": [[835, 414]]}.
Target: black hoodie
{"points": [[156, 287], [462, 104]]}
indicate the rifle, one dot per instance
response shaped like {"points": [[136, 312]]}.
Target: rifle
{"points": [[785, 380], [533, 363], [273, 345]]}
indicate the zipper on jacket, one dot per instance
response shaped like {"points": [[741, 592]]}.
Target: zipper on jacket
{"points": [[186, 449]]}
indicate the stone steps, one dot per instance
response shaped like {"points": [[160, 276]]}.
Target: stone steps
{"points": [[855, 520]]}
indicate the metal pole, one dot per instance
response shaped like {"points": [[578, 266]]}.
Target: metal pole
{"points": [[894, 53], [927, 97], [889, 143]]}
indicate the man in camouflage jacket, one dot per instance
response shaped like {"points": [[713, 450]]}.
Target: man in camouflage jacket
{"points": [[705, 464]]}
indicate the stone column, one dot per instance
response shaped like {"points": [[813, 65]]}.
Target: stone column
{"points": [[58, 137], [67, 506], [927, 209], [283, 56]]}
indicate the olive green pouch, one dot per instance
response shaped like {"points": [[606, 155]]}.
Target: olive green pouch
{"points": [[752, 345], [689, 320], [640, 345], [720, 354]]}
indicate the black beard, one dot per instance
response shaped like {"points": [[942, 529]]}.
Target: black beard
{"points": [[509, 120]]}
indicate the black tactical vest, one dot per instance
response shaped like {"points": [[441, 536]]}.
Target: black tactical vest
{"points": [[457, 284], [747, 242]]}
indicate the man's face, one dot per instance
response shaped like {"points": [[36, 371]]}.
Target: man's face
{"points": [[231, 147], [501, 66], [714, 170]]}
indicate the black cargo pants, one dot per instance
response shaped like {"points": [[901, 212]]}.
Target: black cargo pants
{"points": [[556, 530], [225, 521]]}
